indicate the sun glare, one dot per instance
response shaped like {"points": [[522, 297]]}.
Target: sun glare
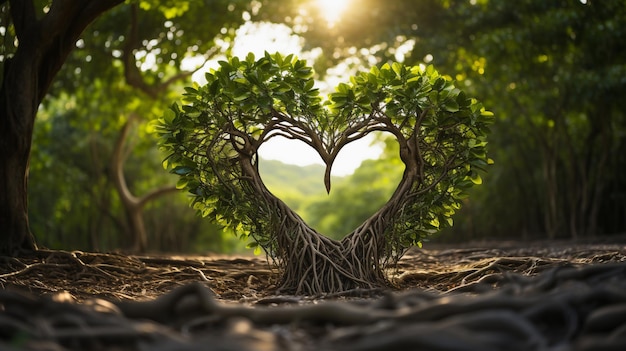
{"points": [[332, 9]]}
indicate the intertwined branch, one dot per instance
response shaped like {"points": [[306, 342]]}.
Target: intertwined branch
{"points": [[214, 137]]}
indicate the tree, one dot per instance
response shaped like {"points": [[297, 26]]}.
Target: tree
{"points": [[165, 27], [212, 142], [133, 205], [45, 40], [127, 36]]}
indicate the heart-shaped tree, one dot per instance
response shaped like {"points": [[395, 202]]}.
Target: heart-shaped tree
{"points": [[213, 138]]}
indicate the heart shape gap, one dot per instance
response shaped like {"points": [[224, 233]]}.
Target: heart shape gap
{"points": [[354, 196], [213, 139]]}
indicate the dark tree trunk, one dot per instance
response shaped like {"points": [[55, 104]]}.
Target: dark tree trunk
{"points": [[15, 141], [44, 44]]}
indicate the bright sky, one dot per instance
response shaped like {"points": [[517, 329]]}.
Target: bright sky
{"points": [[258, 38], [298, 153]]}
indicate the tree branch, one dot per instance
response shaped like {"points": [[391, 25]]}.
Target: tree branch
{"points": [[156, 194], [131, 71], [117, 165]]}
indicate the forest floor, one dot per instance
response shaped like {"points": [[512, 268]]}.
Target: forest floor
{"points": [[481, 296]]}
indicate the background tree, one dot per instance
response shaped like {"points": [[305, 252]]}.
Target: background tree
{"points": [[142, 49], [553, 73], [213, 139], [45, 39]]}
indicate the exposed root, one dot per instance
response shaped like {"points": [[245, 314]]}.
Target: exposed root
{"points": [[313, 264], [563, 308]]}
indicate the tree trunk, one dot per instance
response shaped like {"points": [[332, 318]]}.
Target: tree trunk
{"points": [[551, 214], [133, 206], [17, 111], [44, 44]]}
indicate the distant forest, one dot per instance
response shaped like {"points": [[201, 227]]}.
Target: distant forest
{"points": [[352, 198], [294, 184]]}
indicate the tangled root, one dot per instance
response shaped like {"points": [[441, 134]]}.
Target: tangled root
{"points": [[563, 308], [313, 264]]}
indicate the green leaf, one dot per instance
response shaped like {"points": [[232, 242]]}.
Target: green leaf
{"points": [[397, 68], [168, 116], [439, 83], [242, 96], [475, 177], [191, 91], [182, 170], [182, 183], [451, 105], [450, 221]]}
